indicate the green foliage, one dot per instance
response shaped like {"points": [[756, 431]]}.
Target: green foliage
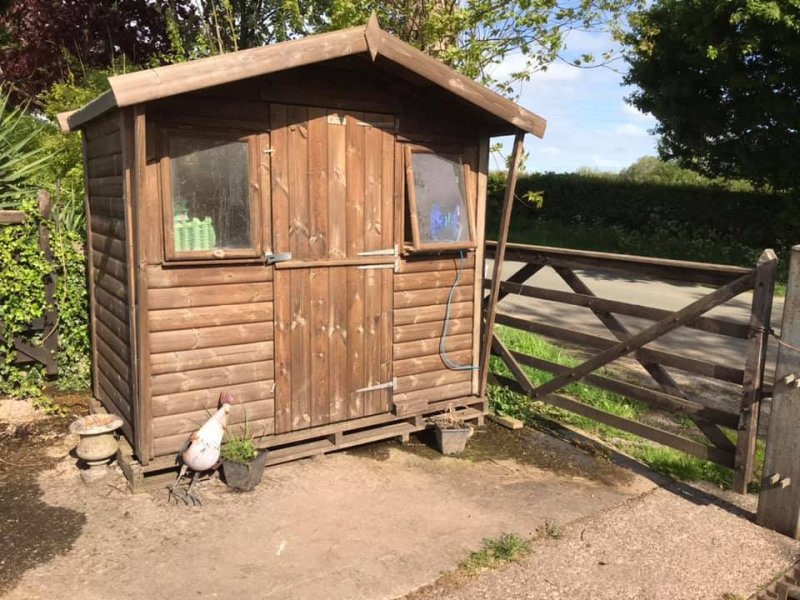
{"points": [[516, 405], [23, 269], [474, 37], [239, 449], [21, 159], [700, 222], [650, 169], [723, 80], [63, 173], [683, 467], [495, 552], [72, 302], [665, 460]]}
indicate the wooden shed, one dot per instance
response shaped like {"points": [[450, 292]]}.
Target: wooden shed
{"points": [[301, 225]]}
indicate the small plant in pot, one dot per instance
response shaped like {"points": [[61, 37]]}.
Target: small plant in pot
{"points": [[242, 462], [452, 432]]}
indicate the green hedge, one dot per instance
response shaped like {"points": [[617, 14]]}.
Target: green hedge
{"points": [[754, 219]]}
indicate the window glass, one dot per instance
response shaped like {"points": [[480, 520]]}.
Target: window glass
{"points": [[210, 193], [441, 199]]}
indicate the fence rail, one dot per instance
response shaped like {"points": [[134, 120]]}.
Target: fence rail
{"points": [[666, 394], [27, 353]]}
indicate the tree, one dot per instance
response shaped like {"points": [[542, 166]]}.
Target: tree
{"points": [[723, 80], [476, 35], [42, 41], [228, 25]]}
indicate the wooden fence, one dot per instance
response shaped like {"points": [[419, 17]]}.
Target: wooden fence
{"points": [[668, 395], [27, 353]]}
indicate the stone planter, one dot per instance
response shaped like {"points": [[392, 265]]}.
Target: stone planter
{"points": [[97, 445], [450, 440]]}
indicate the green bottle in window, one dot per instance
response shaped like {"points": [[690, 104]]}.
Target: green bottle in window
{"points": [[180, 236], [199, 234], [212, 236]]}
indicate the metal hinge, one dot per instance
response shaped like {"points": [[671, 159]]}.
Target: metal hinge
{"points": [[389, 385], [276, 257]]}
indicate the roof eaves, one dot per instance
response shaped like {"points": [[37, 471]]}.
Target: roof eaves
{"points": [[171, 80], [380, 43]]}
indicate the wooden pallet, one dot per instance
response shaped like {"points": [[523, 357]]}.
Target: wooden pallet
{"points": [[311, 442]]}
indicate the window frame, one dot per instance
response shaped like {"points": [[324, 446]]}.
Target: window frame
{"points": [[256, 249], [452, 153]]}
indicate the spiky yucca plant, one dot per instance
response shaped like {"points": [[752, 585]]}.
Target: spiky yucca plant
{"points": [[22, 160]]}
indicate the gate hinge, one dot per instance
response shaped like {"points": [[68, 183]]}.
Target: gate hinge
{"points": [[389, 385]]}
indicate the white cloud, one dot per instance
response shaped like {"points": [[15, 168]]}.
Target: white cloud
{"points": [[606, 164], [630, 130], [549, 151]]}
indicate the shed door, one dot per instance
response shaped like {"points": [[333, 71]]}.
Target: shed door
{"points": [[332, 199]]}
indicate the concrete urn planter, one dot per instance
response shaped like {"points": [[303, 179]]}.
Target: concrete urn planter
{"points": [[98, 444]]}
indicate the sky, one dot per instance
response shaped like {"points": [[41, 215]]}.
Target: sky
{"points": [[589, 124]]}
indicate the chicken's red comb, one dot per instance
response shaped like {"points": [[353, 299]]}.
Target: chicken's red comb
{"points": [[225, 398]]}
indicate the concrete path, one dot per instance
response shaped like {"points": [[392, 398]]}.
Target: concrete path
{"points": [[659, 546], [689, 342], [375, 523]]}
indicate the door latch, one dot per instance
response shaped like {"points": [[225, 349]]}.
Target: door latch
{"points": [[276, 257]]}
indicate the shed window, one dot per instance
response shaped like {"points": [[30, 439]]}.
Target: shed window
{"points": [[210, 211], [440, 213]]}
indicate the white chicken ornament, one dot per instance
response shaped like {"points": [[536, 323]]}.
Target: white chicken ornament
{"points": [[201, 451]]}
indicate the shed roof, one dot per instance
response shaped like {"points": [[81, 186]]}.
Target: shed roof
{"points": [[171, 80]]}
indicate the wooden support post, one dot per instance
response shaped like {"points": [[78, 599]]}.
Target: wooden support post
{"points": [[758, 335], [499, 254], [50, 339], [779, 503]]}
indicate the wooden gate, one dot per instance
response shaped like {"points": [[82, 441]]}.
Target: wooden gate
{"points": [[730, 282], [332, 199], [27, 353]]}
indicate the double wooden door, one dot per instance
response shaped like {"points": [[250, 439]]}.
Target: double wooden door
{"points": [[332, 176]]}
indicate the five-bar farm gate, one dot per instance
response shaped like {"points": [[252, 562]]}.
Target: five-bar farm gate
{"points": [[735, 451]]}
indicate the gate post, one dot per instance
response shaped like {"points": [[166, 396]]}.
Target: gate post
{"points": [[753, 383], [779, 500]]}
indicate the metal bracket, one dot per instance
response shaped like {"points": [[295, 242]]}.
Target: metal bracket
{"points": [[276, 257], [389, 385], [384, 252]]}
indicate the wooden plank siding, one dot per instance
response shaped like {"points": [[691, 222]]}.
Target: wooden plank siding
{"points": [[112, 370], [422, 286], [211, 330]]}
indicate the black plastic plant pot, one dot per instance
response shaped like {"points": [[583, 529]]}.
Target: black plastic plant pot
{"points": [[243, 477]]}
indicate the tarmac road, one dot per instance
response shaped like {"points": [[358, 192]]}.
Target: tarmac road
{"points": [[712, 347]]}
